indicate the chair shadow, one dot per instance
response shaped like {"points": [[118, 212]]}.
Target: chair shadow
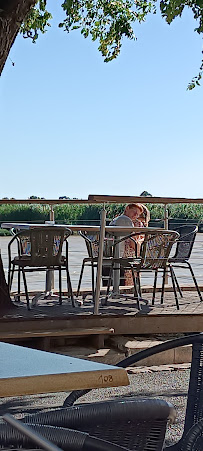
{"points": [[25, 405]]}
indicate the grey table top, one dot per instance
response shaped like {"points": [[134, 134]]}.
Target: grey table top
{"points": [[29, 371], [77, 227]]}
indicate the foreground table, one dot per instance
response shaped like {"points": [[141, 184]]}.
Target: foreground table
{"points": [[25, 371]]}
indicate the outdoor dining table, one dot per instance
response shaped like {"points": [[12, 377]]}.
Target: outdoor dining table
{"points": [[25, 371], [114, 230], [117, 231]]}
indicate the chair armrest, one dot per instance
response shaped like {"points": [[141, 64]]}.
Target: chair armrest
{"points": [[189, 442], [171, 344], [46, 437], [84, 236], [123, 409], [126, 237], [15, 237], [137, 357], [68, 232]]}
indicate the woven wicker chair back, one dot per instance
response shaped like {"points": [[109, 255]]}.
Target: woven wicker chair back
{"points": [[156, 249], [43, 246], [92, 244]]}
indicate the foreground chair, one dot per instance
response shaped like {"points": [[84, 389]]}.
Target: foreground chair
{"points": [[46, 437], [133, 424], [194, 409], [39, 249]]}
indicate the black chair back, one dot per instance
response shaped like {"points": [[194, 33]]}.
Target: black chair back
{"points": [[185, 243]]}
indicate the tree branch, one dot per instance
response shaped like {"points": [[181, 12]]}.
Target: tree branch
{"points": [[12, 14]]}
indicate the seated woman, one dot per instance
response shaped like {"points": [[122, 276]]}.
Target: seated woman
{"points": [[127, 248], [138, 221], [132, 247], [134, 215], [141, 221], [145, 216]]}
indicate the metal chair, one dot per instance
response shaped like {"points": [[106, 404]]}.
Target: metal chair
{"points": [[20, 435], [39, 249], [92, 245], [132, 424], [182, 254], [194, 409], [154, 255]]}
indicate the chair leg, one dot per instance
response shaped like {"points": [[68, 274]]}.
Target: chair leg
{"points": [[26, 291], [80, 279], [154, 287], [69, 287], [138, 284], [10, 278], [163, 286], [10, 281], [108, 286], [60, 295], [136, 288], [174, 286], [19, 284], [195, 281], [177, 284], [93, 291]]}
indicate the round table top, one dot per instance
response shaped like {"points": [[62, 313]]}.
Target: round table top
{"points": [[78, 227]]}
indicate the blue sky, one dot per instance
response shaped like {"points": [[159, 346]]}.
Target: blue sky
{"points": [[73, 125]]}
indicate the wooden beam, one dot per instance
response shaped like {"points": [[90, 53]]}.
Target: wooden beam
{"points": [[138, 324], [55, 333], [98, 198]]}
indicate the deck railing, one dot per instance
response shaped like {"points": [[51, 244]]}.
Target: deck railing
{"points": [[104, 200], [108, 199]]}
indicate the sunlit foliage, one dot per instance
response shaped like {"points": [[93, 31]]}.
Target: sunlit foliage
{"points": [[109, 21]]}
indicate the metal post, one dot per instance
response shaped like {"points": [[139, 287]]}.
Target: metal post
{"points": [[166, 217], [49, 284], [166, 228], [100, 259], [51, 214], [116, 272]]}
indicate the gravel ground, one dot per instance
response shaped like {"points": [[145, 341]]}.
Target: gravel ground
{"points": [[171, 385]]}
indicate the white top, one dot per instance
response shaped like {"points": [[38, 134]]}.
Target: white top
{"points": [[122, 221]]}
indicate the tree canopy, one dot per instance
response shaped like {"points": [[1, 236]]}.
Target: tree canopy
{"points": [[105, 21]]}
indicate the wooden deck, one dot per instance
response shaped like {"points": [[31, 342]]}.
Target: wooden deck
{"points": [[48, 319]]}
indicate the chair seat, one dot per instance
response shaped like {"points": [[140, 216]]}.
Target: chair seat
{"points": [[177, 260], [25, 260], [127, 262], [21, 261]]}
